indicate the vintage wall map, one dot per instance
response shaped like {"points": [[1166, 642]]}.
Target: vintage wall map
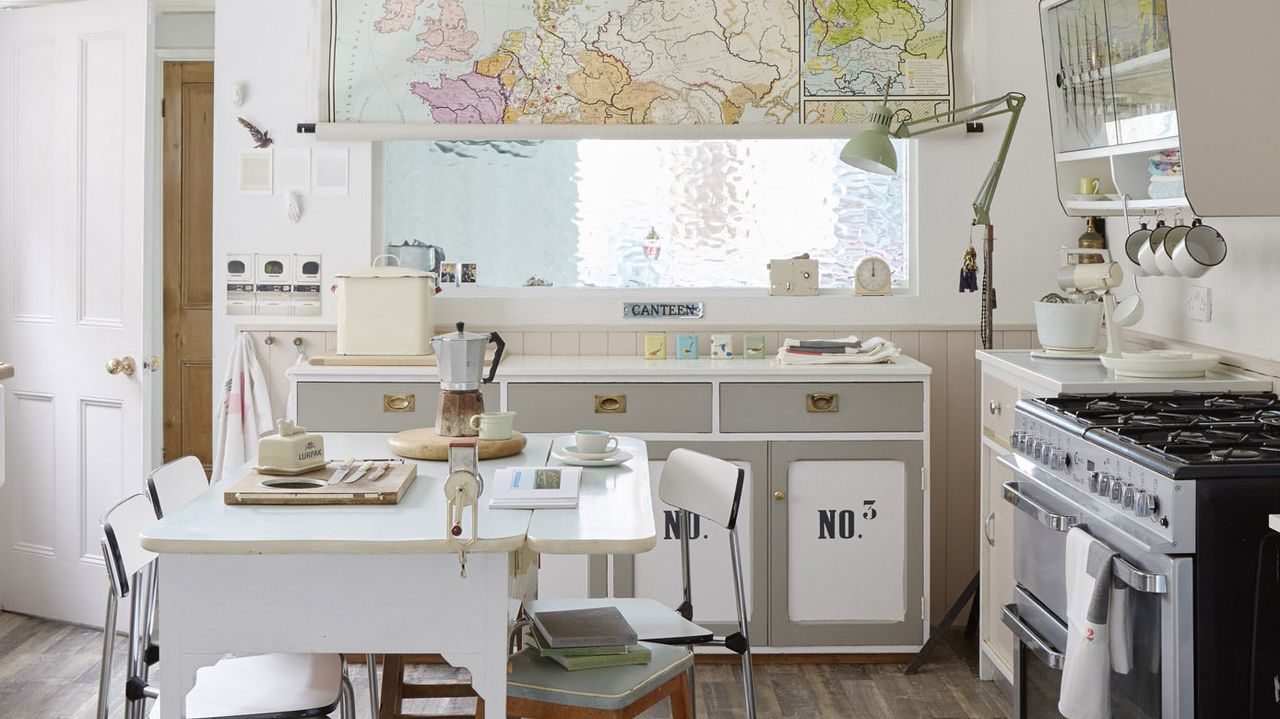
{"points": [[665, 62]]}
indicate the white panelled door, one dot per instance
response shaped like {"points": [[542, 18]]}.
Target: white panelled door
{"points": [[73, 198]]}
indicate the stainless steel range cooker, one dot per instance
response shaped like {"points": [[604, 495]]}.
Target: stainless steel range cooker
{"points": [[1180, 485]]}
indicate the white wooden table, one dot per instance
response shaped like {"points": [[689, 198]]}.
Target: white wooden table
{"points": [[381, 579]]}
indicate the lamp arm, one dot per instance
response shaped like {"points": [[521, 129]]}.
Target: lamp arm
{"points": [[1009, 103]]}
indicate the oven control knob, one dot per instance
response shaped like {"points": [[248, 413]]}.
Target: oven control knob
{"points": [[1146, 505], [1129, 497], [1117, 491], [1104, 485], [1058, 459], [1093, 483], [1014, 439]]}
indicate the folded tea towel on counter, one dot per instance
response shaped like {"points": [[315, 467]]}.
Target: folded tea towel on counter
{"points": [[846, 350], [1097, 629], [244, 410]]}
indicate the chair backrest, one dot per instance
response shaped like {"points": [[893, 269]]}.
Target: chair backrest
{"points": [[176, 483], [122, 550], [703, 485]]}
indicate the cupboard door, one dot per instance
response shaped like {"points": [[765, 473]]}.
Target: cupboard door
{"points": [[847, 562], [656, 574], [997, 577]]}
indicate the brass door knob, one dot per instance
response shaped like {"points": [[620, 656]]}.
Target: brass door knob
{"points": [[119, 365], [779, 495]]}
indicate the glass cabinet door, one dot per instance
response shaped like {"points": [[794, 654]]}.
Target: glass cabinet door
{"points": [[1078, 63], [1141, 71]]}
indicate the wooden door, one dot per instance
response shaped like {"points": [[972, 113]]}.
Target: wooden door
{"points": [[73, 223], [188, 261]]}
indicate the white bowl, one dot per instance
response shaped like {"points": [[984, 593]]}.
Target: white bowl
{"points": [[1068, 326]]}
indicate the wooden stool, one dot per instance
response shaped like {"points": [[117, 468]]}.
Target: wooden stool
{"points": [[395, 690]]}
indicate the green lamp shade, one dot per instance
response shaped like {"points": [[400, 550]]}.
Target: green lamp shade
{"points": [[871, 150]]}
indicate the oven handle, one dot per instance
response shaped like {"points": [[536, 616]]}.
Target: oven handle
{"points": [[1125, 573], [1057, 522], [1039, 646]]}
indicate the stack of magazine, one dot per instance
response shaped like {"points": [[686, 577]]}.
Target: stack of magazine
{"points": [[535, 488], [587, 638]]}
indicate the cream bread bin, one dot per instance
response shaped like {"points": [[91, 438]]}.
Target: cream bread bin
{"points": [[291, 451], [385, 310]]}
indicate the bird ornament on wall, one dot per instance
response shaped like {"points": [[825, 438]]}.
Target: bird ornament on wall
{"points": [[261, 139]]}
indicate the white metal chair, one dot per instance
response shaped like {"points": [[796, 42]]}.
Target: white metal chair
{"points": [[272, 686], [178, 482], [693, 483]]}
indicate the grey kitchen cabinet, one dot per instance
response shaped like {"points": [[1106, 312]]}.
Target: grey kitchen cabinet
{"points": [[656, 574], [829, 438], [847, 554], [373, 406]]}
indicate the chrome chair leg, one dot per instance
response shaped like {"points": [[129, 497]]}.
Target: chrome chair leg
{"points": [[372, 665], [748, 681], [137, 656], [347, 699], [108, 646]]}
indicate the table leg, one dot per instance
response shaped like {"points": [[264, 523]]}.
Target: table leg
{"points": [[177, 677]]}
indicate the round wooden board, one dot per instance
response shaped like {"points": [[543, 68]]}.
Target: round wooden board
{"points": [[426, 444]]}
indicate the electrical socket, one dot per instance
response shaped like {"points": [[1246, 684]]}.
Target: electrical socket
{"points": [[1200, 304]]}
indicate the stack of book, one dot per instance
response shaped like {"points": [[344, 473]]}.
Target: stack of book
{"points": [[587, 638], [535, 488]]}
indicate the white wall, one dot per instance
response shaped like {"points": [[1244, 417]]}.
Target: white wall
{"points": [[269, 46], [1244, 290]]}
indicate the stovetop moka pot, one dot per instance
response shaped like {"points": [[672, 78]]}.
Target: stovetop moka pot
{"points": [[460, 356]]}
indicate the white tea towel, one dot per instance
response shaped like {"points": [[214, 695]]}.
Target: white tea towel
{"points": [[871, 351], [1086, 674], [244, 410]]}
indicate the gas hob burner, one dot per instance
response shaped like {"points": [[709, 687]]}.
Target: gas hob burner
{"points": [[1116, 403], [1269, 417], [1192, 453], [1231, 400]]}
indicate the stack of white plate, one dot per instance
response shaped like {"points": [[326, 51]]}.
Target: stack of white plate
{"points": [[1162, 364]]}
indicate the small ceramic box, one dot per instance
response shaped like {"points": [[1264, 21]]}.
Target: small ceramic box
{"points": [[722, 346], [753, 346], [293, 450], [655, 346], [686, 347]]}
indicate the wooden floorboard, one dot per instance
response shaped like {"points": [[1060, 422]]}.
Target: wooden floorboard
{"points": [[49, 670]]}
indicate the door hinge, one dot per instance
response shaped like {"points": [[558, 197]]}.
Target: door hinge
{"points": [[924, 479], [162, 107], [924, 609]]}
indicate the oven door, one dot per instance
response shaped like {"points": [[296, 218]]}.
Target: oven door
{"points": [[1159, 602]]}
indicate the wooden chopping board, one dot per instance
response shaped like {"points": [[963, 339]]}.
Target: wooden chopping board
{"points": [[426, 444], [387, 489]]}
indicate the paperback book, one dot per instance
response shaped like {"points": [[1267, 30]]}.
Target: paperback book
{"points": [[535, 488]]}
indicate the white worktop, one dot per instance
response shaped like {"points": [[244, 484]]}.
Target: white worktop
{"points": [[614, 515], [634, 368], [1077, 376]]}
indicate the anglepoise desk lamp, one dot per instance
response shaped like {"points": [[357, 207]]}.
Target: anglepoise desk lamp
{"points": [[872, 151]]}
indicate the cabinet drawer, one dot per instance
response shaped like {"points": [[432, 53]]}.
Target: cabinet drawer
{"points": [[822, 407], [373, 406], [614, 407], [998, 399]]}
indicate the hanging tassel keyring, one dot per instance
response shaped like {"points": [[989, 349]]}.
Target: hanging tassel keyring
{"points": [[969, 269]]}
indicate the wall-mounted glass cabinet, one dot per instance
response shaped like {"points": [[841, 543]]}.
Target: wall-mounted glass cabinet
{"points": [[1111, 105]]}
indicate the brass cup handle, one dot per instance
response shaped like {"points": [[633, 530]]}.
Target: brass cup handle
{"points": [[121, 365], [779, 495], [611, 404], [822, 402]]}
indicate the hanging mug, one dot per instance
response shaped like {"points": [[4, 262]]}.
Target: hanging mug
{"points": [[1202, 247], [1133, 244], [1147, 252], [1164, 252]]}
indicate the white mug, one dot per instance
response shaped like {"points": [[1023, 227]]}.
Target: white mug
{"points": [[1202, 248], [494, 425], [1164, 253], [594, 441], [1147, 252]]}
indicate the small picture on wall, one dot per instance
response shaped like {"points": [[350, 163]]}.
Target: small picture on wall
{"points": [[468, 272], [448, 273]]}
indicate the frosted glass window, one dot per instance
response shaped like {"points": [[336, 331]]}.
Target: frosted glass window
{"points": [[644, 213]]}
